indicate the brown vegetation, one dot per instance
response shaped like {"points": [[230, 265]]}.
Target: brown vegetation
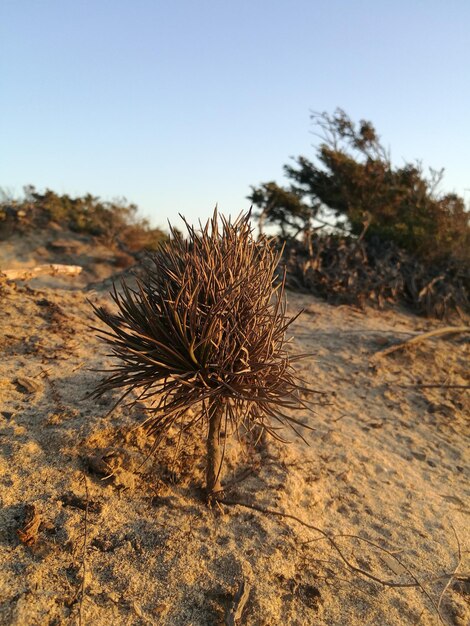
{"points": [[203, 337], [114, 223]]}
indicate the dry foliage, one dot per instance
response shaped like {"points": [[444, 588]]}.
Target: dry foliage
{"points": [[356, 271], [203, 339]]}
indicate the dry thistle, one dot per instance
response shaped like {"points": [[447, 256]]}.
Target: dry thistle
{"points": [[205, 329]]}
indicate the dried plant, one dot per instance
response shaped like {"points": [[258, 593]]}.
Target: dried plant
{"points": [[203, 339]]}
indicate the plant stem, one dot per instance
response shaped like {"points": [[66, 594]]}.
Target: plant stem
{"points": [[214, 457]]}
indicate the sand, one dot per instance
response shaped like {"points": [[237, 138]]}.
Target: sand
{"points": [[387, 460]]}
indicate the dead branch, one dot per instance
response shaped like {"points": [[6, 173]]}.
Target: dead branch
{"points": [[454, 573], [234, 612], [350, 270], [438, 332], [52, 269]]}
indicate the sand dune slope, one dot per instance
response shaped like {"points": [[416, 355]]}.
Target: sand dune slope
{"points": [[112, 541]]}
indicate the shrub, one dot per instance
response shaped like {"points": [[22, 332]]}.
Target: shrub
{"points": [[203, 337], [115, 223], [354, 179], [347, 270]]}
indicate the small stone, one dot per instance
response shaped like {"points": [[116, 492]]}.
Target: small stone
{"points": [[160, 609], [114, 597]]}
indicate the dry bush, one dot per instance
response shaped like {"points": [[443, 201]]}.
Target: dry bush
{"points": [[203, 339], [115, 223], [347, 270]]}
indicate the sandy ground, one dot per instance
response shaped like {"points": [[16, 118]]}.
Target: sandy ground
{"points": [[56, 245], [387, 460]]}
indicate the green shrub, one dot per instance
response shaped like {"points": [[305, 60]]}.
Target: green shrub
{"points": [[354, 180]]}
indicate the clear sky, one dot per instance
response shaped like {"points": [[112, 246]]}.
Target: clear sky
{"points": [[181, 104]]}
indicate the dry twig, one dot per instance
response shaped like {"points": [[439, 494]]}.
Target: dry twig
{"points": [[438, 332], [332, 541], [454, 573], [52, 269], [83, 563], [433, 386]]}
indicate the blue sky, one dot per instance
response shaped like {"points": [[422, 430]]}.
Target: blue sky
{"points": [[179, 105]]}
